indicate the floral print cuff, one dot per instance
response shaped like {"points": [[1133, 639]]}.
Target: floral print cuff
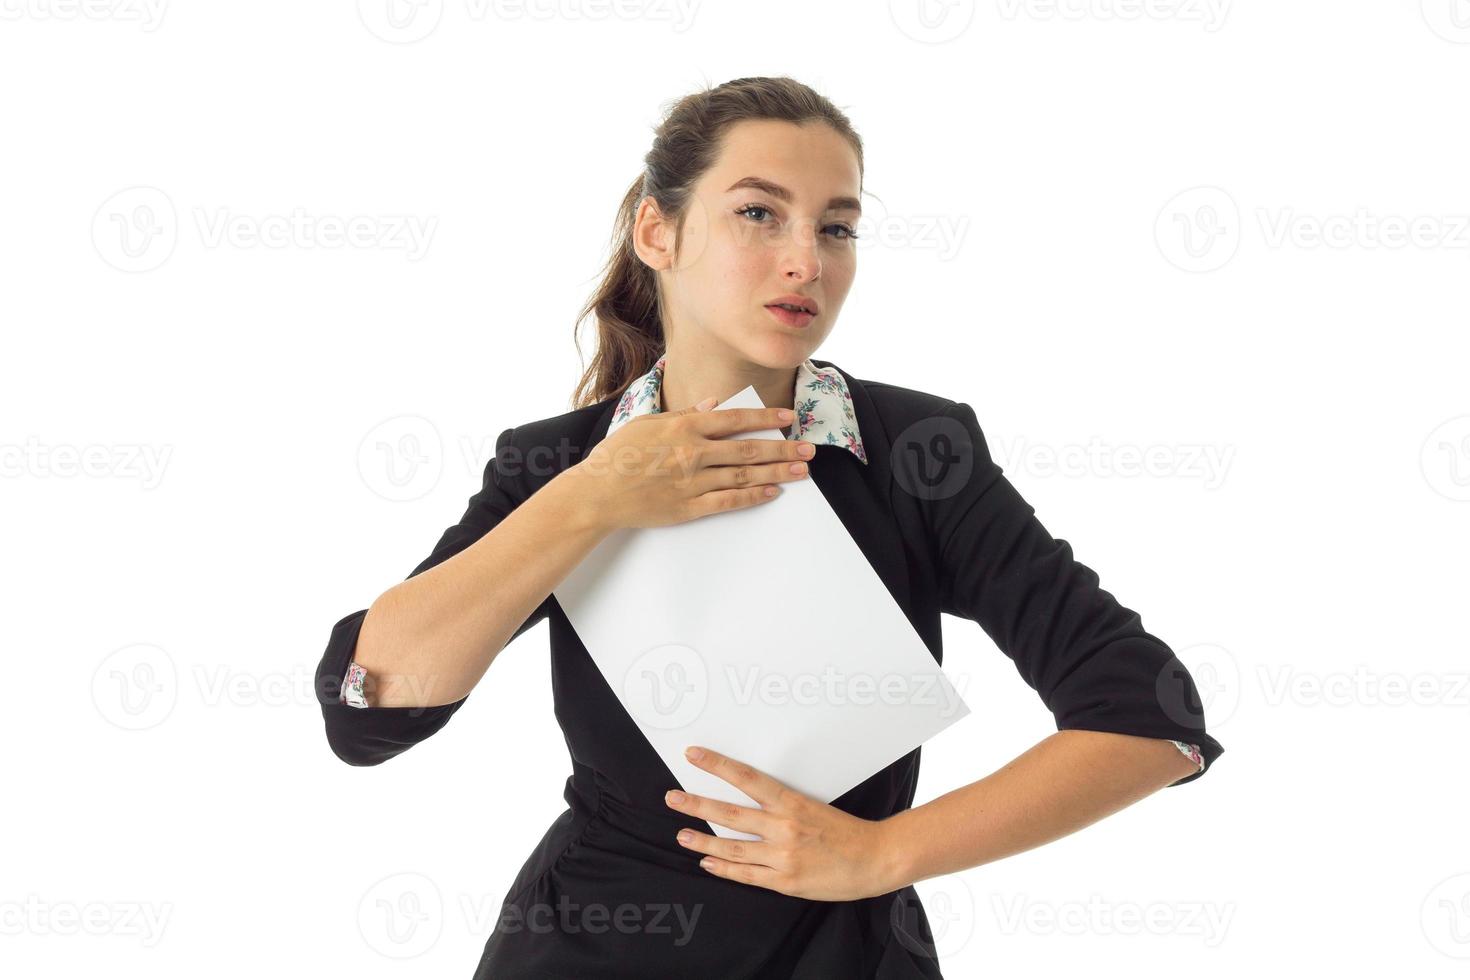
{"points": [[352, 687], [1190, 750]]}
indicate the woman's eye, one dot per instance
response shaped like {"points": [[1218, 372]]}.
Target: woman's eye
{"points": [[847, 230]]}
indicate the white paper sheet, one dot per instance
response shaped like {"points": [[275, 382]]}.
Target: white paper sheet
{"points": [[765, 634]]}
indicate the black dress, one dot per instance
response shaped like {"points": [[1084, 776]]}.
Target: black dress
{"points": [[608, 892]]}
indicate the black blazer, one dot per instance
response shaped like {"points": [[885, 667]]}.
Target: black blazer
{"points": [[947, 533]]}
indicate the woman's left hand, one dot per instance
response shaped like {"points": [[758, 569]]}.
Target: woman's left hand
{"points": [[807, 849]]}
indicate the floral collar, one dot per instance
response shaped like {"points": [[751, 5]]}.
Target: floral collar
{"points": [[823, 405]]}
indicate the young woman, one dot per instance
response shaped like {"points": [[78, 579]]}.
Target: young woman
{"points": [[733, 256]]}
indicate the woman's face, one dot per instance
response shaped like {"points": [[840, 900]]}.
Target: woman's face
{"points": [[746, 243]]}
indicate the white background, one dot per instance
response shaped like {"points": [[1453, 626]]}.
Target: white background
{"points": [[1230, 236]]}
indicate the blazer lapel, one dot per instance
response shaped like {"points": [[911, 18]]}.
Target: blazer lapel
{"points": [[862, 494]]}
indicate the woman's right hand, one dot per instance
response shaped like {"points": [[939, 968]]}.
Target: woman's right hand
{"points": [[671, 467]]}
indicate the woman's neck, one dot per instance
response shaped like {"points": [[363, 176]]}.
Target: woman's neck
{"points": [[692, 376]]}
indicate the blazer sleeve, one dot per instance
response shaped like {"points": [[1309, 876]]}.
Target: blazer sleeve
{"points": [[1087, 655], [372, 735]]}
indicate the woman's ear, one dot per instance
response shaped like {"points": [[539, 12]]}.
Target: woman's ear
{"points": [[653, 235]]}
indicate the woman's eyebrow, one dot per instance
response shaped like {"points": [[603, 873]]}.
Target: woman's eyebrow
{"points": [[782, 194]]}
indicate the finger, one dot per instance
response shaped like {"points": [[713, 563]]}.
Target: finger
{"points": [[713, 478], [731, 815], [720, 501], [739, 851], [728, 421], [764, 789], [695, 409], [753, 449], [750, 874]]}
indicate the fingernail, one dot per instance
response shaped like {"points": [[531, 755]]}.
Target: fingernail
{"points": [[786, 415], [707, 404], [674, 796], [685, 837], [693, 754]]}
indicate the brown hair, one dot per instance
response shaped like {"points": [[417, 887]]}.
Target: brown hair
{"points": [[630, 333]]}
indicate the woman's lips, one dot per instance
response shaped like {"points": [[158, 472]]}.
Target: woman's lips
{"points": [[791, 318]]}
